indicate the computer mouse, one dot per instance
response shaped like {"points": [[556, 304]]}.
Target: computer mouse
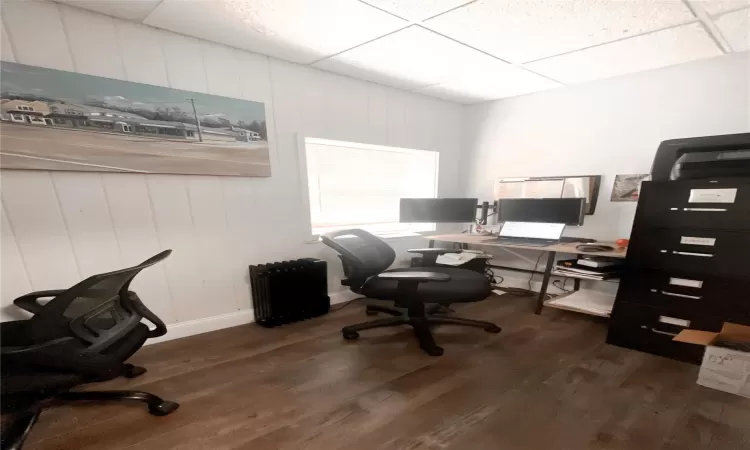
{"points": [[594, 248]]}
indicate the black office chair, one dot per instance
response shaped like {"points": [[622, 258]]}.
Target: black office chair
{"points": [[83, 334], [365, 259]]}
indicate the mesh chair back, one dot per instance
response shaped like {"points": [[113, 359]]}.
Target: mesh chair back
{"points": [[362, 254], [101, 309]]}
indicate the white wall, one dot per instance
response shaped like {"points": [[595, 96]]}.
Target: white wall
{"points": [[603, 128], [59, 227]]}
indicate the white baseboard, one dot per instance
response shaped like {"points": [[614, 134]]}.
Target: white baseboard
{"points": [[233, 319], [200, 326], [342, 296]]}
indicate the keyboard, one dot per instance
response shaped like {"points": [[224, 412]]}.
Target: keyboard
{"points": [[526, 242]]}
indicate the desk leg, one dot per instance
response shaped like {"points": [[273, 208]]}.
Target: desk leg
{"points": [[545, 282], [576, 281]]}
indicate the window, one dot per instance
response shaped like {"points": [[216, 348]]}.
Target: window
{"points": [[359, 186]]}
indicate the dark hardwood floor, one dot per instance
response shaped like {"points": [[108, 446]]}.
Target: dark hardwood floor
{"points": [[546, 382]]}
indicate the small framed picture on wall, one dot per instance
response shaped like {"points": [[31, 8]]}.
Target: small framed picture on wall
{"points": [[627, 188]]}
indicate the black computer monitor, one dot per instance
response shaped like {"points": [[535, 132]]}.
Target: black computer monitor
{"points": [[445, 210], [551, 210]]}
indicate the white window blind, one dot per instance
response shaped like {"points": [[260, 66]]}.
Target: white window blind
{"points": [[359, 186]]}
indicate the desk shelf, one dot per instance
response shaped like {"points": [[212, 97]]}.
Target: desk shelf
{"points": [[555, 273], [584, 301]]}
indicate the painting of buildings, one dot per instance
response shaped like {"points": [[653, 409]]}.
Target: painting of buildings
{"points": [[56, 120]]}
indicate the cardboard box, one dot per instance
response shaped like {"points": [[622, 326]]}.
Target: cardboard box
{"points": [[726, 363]]}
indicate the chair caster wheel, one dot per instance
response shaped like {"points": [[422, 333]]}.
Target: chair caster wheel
{"points": [[493, 329], [164, 408], [350, 336], [134, 371], [434, 351]]}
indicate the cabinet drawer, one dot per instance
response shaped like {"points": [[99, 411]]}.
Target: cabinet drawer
{"points": [[695, 204], [691, 251], [728, 299], [651, 330]]}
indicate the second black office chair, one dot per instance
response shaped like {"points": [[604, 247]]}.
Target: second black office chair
{"points": [[365, 259]]}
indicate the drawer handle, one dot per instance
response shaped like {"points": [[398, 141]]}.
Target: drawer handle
{"points": [[674, 294], [702, 255], [705, 209], [654, 330]]}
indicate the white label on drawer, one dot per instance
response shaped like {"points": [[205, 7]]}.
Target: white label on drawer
{"points": [[674, 321], [709, 242], [685, 282], [712, 195]]}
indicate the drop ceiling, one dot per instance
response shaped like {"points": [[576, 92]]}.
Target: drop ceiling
{"points": [[459, 50]]}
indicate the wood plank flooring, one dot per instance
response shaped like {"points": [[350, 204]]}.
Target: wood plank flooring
{"points": [[545, 382]]}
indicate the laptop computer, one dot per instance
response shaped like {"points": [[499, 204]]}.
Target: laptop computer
{"points": [[534, 234]]}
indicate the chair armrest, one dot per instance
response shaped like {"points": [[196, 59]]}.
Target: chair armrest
{"points": [[29, 302], [415, 276], [161, 328], [434, 251]]}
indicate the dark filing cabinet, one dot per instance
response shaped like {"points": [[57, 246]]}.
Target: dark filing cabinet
{"points": [[688, 265]]}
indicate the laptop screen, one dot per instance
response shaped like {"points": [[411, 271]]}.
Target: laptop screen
{"points": [[535, 230]]}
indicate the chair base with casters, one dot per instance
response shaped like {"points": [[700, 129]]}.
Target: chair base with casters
{"points": [[27, 407], [420, 318], [23, 421]]}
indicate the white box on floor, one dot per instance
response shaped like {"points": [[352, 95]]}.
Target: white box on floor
{"points": [[726, 363]]}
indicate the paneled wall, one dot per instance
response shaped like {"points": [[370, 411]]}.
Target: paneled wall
{"points": [[59, 227]]}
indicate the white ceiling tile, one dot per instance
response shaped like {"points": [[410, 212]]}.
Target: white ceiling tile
{"points": [[416, 10], [93, 43], [715, 7], [659, 49], [408, 59], [48, 26], [135, 10], [526, 30], [297, 30], [735, 27], [502, 80]]}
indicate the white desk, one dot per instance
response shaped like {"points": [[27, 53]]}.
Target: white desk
{"points": [[568, 247]]}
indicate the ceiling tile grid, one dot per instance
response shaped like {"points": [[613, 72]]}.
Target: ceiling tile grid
{"points": [[716, 7], [735, 27], [522, 31], [461, 50], [417, 10], [409, 59], [301, 31], [660, 49]]}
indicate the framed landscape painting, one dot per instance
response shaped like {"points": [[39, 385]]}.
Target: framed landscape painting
{"points": [[57, 120]]}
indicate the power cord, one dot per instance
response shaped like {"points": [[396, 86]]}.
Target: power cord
{"points": [[524, 292], [560, 284], [344, 305]]}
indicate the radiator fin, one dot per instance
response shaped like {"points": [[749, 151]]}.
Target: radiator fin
{"points": [[289, 291]]}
